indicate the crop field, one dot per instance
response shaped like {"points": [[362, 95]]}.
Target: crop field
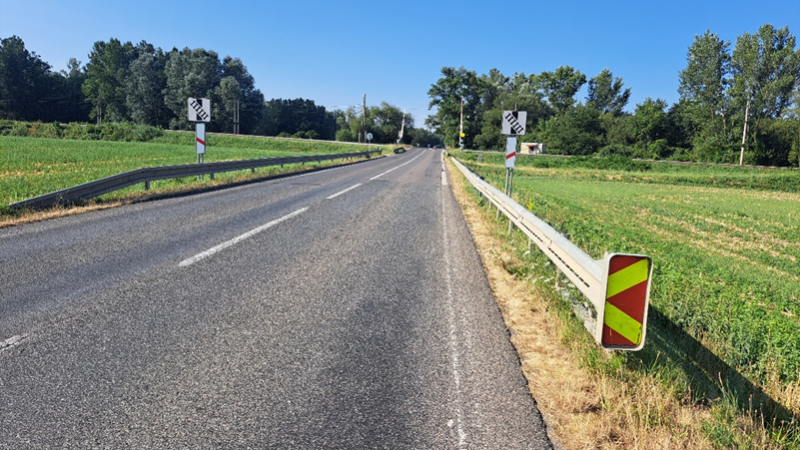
{"points": [[726, 271], [35, 166]]}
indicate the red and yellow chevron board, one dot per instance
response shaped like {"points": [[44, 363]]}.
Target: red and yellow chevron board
{"points": [[626, 296]]}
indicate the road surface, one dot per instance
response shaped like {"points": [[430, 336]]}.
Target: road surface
{"points": [[345, 308]]}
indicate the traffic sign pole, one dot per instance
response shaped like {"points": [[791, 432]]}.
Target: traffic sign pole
{"points": [[199, 112], [513, 125]]}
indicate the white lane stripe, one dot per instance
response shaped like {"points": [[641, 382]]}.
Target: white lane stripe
{"points": [[236, 240], [12, 341], [444, 179], [458, 401], [344, 191], [390, 170]]}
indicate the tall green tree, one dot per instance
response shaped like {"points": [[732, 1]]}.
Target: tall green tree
{"points": [[107, 74], [561, 86], [766, 71], [144, 89], [300, 118], [578, 131], [704, 83], [71, 105], [237, 91], [652, 122], [606, 94], [521, 92], [192, 73], [25, 81], [446, 95]]}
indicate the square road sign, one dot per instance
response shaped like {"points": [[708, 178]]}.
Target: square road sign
{"points": [[514, 122]]}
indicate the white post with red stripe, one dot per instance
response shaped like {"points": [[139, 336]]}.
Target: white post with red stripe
{"points": [[200, 138], [513, 125], [199, 112], [511, 152]]}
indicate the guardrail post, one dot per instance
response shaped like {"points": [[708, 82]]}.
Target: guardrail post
{"points": [[147, 185]]}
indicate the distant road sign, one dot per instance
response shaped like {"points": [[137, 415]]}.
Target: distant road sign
{"points": [[199, 110], [514, 122], [369, 136]]}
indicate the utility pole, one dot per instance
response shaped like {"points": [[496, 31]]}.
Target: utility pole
{"points": [[461, 127], [402, 127], [744, 131], [362, 137], [236, 116]]}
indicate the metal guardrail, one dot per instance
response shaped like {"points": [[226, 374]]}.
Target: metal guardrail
{"points": [[581, 269], [145, 175], [589, 276]]}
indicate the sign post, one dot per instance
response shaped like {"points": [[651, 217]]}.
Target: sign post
{"points": [[513, 126], [200, 114], [369, 141]]}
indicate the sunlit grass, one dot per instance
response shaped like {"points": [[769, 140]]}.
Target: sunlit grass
{"points": [[34, 166], [726, 266]]}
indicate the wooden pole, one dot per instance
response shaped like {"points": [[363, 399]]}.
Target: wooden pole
{"points": [[744, 131]]}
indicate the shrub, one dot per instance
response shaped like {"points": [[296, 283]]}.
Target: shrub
{"points": [[615, 149]]}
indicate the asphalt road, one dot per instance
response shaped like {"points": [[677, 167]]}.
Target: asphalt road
{"points": [[345, 308]]}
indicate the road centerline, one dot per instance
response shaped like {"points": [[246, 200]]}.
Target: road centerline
{"points": [[395, 168], [343, 192], [236, 240]]}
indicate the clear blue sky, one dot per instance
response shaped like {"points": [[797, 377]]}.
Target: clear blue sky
{"points": [[333, 52]]}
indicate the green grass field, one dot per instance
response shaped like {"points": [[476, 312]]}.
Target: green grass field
{"points": [[726, 277], [36, 166]]}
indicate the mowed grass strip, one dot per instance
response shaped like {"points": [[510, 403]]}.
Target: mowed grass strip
{"points": [[34, 166], [726, 274]]}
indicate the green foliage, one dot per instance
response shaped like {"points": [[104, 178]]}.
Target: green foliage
{"points": [[561, 86], [26, 82], [651, 121], [606, 94], [447, 94], [705, 125], [724, 302], [106, 75], [577, 132], [113, 131], [616, 149], [291, 117], [144, 89], [384, 122], [704, 82]]}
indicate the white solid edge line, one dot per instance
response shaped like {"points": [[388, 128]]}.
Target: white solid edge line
{"points": [[236, 240], [458, 401], [395, 168], [444, 179], [344, 191]]}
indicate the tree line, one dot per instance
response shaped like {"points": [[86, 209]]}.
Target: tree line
{"points": [[142, 84], [740, 103]]}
